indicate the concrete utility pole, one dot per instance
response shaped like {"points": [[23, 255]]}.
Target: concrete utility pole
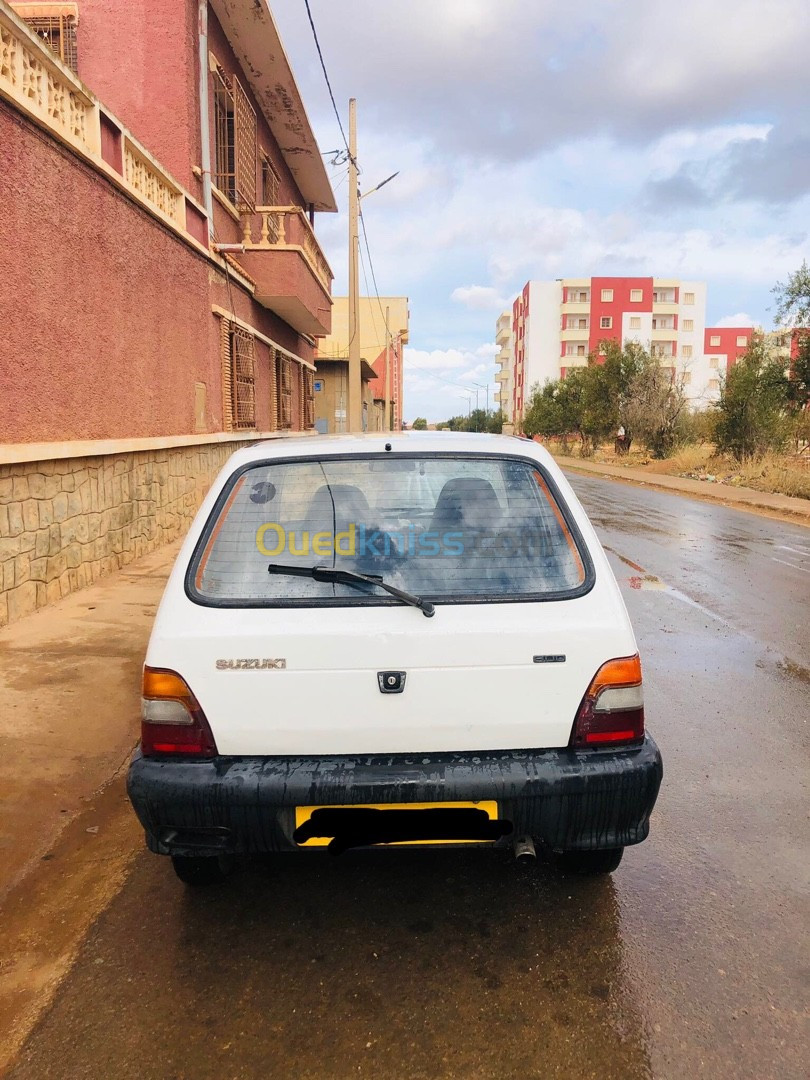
{"points": [[355, 418], [387, 370]]}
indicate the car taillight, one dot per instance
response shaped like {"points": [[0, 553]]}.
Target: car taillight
{"points": [[172, 721], [612, 710]]}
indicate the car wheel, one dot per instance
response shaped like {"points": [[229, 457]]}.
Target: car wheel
{"points": [[590, 862], [200, 870]]}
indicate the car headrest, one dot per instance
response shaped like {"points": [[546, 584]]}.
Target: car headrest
{"points": [[350, 505], [466, 501]]}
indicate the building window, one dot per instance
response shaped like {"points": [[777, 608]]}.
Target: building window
{"points": [[636, 296], [689, 298], [580, 350], [569, 350], [582, 324], [284, 391], [714, 362], [270, 182], [635, 322], [714, 384], [583, 298], [686, 352], [686, 377], [688, 325], [238, 377], [606, 322], [607, 296], [59, 34], [742, 340], [714, 340], [235, 142]]}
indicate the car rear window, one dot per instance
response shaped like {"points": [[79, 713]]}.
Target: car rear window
{"points": [[443, 527]]}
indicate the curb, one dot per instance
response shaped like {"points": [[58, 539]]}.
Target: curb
{"points": [[740, 498]]}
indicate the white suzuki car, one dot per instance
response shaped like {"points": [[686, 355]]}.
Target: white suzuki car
{"points": [[392, 639]]}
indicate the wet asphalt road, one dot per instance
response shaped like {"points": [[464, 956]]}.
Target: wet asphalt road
{"points": [[691, 960]]}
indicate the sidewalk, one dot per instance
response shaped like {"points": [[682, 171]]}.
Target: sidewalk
{"points": [[69, 718], [70, 692], [763, 502]]}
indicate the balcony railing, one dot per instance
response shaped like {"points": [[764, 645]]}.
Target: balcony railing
{"points": [[285, 228]]}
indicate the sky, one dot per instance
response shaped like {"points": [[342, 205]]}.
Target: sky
{"points": [[536, 139]]}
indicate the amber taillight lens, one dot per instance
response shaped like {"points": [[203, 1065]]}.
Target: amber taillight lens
{"points": [[172, 722], [612, 711]]}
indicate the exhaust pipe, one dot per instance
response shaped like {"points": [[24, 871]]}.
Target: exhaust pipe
{"points": [[524, 849]]}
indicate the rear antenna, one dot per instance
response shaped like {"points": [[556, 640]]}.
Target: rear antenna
{"points": [[388, 446]]}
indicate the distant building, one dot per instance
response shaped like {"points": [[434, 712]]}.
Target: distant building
{"points": [[504, 396], [556, 325], [785, 342], [382, 352], [722, 348], [332, 397]]}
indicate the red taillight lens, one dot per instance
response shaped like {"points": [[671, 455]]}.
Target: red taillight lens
{"points": [[612, 711], [172, 721]]}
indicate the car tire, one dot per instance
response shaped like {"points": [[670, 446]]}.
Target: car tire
{"points": [[590, 862], [200, 870]]}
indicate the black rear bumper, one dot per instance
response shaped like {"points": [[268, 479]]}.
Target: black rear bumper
{"points": [[566, 799]]}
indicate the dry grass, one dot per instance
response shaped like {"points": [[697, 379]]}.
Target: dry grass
{"points": [[777, 472], [785, 474]]}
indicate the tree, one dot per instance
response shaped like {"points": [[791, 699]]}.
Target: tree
{"points": [[495, 422], [419, 424], [754, 404], [799, 377], [793, 298], [655, 402], [544, 411]]}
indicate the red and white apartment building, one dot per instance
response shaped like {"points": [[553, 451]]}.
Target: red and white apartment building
{"points": [[556, 325]]}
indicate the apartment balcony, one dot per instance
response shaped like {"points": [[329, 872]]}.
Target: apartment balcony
{"points": [[665, 307], [664, 333], [579, 336], [503, 330], [576, 307], [292, 276], [502, 376]]}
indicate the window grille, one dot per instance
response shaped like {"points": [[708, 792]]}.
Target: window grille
{"points": [[245, 158], [274, 398], [224, 136], [285, 392], [243, 366], [59, 34], [235, 142], [270, 183], [270, 197], [307, 398]]}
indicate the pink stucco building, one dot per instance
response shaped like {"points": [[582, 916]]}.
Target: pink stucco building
{"points": [[164, 288]]}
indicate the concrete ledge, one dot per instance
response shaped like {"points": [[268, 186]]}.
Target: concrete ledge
{"points": [[740, 497], [17, 453]]}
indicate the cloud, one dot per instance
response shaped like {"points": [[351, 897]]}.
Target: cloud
{"points": [[631, 137], [742, 318], [772, 168], [633, 70], [479, 298]]}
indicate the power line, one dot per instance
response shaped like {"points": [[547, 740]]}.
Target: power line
{"points": [[328, 83]]}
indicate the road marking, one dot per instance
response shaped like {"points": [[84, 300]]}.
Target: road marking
{"points": [[796, 551], [803, 569]]}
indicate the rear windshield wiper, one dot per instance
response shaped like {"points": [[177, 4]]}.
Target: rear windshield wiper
{"points": [[351, 577]]}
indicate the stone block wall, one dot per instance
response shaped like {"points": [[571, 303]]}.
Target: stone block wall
{"points": [[65, 523]]}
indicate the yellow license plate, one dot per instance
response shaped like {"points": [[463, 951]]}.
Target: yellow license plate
{"points": [[304, 813]]}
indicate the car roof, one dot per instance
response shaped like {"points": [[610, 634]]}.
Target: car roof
{"points": [[377, 442]]}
